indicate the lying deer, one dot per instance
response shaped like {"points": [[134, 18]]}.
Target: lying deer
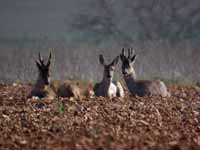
{"points": [[140, 87], [71, 89], [107, 88], [43, 87], [43, 79]]}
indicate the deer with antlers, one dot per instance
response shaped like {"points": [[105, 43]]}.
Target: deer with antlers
{"points": [[140, 87], [107, 88], [44, 88], [43, 79]]}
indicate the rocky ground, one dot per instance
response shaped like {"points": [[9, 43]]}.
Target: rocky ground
{"points": [[99, 123]]}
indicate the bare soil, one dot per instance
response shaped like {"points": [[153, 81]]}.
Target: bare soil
{"points": [[98, 123]]}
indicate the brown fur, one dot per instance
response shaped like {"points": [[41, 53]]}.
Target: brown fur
{"points": [[70, 88], [43, 80], [140, 87], [108, 88]]}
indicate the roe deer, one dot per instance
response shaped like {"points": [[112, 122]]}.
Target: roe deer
{"points": [[43, 87], [107, 88], [70, 88], [140, 87], [43, 80], [66, 89]]}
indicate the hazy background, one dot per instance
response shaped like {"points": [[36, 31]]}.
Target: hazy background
{"points": [[165, 34]]}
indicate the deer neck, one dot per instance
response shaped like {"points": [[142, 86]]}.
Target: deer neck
{"points": [[40, 83], [106, 82], [130, 79]]}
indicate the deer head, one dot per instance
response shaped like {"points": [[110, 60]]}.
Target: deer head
{"points": [[127, 62], [43, 68], [108, 68]]}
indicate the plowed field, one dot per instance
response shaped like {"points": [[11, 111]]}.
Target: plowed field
{"points": [[99, 123]]}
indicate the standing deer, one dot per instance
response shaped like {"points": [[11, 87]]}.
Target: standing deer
{"points": [[107, 88], [140, 87], [43, 79]]}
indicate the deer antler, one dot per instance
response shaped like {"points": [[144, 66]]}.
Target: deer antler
{"points": [[49, 60], [40, 59], [132, 51], [129, 53], [123, 52]]}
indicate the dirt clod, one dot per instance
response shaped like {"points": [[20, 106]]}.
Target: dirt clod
{"points": [[100, 123]]}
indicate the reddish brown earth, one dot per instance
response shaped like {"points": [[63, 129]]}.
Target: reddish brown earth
{"points": [[99, 123]]}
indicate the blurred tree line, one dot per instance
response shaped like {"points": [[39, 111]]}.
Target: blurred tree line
{"points": [[165, 34], [131, 21]]}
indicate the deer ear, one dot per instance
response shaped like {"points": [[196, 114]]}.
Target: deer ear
{"points": [[123, 51], [133, 58], [38, 65], [101, 59], [49, 60], [122, 57], [115, 61]]}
